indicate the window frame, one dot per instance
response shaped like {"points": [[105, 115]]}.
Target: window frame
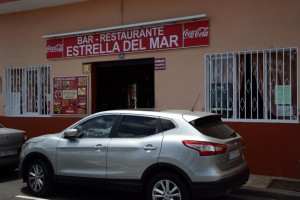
{"points": [[292, 118], [171, 120], [118, 124], [113, 128], [18, 79]]}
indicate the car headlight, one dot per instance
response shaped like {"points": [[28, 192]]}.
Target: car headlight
{"points": [[25, 145]]}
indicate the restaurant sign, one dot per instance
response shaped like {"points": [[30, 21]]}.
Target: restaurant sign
{"points": [[70, 95], [184, 35]]}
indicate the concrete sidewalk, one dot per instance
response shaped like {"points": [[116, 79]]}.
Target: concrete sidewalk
{"points": [[273, 187]]}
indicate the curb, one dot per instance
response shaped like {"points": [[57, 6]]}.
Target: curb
{"points": [[272, 193]]}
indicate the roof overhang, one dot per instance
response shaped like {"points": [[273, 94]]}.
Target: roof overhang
{"points": [[129, 26], [15, 6]]}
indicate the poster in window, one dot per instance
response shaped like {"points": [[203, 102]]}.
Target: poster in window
{"points": [[283, 94], [70, 95]]}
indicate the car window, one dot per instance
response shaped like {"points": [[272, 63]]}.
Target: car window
{"points": [[167, 124], [97, 127], [1, 126], [214, 127], [136, 127]]}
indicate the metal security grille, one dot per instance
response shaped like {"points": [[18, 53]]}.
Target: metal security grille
{"points": [[260, 85], [28, 91]]}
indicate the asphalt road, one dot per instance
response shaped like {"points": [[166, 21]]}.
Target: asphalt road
{"points": [[12, 187]]}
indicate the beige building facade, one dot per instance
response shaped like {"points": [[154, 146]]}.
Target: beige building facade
{"points": [[248, 71]]}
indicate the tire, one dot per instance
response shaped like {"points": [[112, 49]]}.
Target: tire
{"points": [[39, 178], [167, 186]]}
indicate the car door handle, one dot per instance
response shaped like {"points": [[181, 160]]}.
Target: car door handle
{"points": [[149, 147], [99, 147]]}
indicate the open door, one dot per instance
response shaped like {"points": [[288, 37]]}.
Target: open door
{"points": [[123, 84]]}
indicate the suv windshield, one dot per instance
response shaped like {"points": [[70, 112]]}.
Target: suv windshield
{"points": [[214, 127]]}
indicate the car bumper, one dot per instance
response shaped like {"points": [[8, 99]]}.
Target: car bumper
{"points": [[9, 161], [221, 187]]}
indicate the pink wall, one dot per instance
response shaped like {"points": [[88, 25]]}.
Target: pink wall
{"points": [[235, 25]]}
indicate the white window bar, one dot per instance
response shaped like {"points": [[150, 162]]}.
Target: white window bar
{"points": [[24, 91], [227, 114], [245, 86], [13, 91], [254, 82], [48, 91], [257, 75], [216, 84], [283, 82], [240, 86], [290, 83], [251, 72], [30, 90], [43, 76], [295, 53], [270, 84], [7, 88], [265, 75], [234, 83], [221, 83], [277, 79], [210, 82], [39, 91]]}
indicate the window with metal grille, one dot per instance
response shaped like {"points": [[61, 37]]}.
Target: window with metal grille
{"points": [[260, 85], [28, 91]]}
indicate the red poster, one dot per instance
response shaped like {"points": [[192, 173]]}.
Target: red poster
{"points": [[173, 36], [70, 95]]}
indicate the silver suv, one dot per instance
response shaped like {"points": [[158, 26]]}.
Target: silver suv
{"points": [[163, 154]]}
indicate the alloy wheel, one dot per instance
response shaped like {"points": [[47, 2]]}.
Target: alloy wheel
{"points": [[36, 178], [166, 190]]}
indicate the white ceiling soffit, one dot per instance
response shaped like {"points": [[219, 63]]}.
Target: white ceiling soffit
{"points": [[113, 28], [13, 6]]}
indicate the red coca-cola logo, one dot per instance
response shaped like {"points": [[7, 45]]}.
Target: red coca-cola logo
{"points": [[200, 32], [54, 49]]}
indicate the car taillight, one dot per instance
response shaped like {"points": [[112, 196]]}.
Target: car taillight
{"points": [[242, 143], [25, 137], [206, 148]]}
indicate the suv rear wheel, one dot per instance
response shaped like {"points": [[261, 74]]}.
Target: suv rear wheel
{"points": [[39, 178], [167, 186]]}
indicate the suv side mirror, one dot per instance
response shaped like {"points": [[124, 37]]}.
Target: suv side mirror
{"points": [[69, 134]]}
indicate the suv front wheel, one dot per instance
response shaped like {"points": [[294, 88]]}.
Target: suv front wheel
{"points": [[167, 186], [39, 178]]}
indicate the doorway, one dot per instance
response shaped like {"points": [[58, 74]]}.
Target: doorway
{"points": [[123, 84]]}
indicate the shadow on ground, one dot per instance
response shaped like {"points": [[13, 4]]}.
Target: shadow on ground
{"points": [[9, 174], [75, 192]]}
